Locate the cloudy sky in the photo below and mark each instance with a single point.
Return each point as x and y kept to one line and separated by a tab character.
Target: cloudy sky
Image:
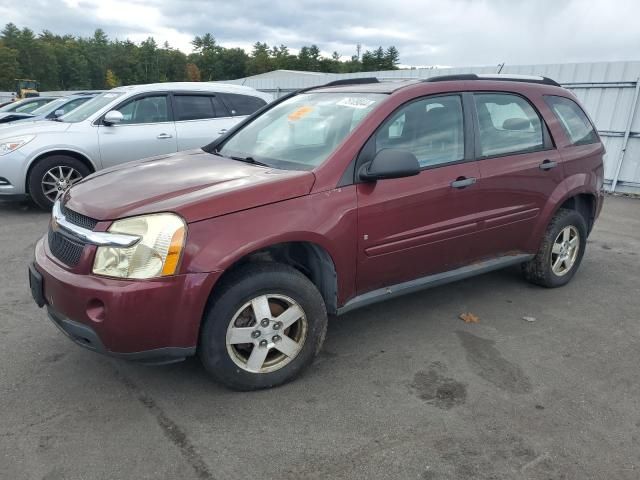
427	32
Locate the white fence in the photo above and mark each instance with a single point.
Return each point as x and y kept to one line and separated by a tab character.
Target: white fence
608	90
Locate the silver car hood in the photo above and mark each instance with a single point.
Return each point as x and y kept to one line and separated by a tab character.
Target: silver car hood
19	129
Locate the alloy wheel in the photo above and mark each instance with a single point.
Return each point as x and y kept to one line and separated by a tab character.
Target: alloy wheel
565	250
58	180
266	333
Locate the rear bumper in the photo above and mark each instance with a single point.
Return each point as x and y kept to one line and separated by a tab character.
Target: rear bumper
153	321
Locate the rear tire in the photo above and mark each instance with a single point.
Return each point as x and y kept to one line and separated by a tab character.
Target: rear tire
241	344
52	176
561	251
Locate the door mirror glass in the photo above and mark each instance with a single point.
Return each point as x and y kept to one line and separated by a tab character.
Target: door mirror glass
389	163
113	117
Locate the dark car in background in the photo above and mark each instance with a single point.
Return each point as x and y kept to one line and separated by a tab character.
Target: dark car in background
327	200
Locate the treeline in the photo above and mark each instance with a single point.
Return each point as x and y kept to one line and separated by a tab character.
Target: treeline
69	62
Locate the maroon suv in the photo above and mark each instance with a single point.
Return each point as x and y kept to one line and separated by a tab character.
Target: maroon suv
326	200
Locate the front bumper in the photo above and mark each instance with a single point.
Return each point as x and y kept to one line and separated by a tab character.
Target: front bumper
13	171
153	321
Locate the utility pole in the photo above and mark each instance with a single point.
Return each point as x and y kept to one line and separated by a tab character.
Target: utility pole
358	49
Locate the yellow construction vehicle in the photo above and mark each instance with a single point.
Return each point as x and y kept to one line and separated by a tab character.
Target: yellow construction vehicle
27	88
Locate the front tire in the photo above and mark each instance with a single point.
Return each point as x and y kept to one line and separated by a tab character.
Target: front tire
52	176
561	251
263	327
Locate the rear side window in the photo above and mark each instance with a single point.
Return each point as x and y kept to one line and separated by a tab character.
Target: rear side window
508	124
243	104
574	121
193	107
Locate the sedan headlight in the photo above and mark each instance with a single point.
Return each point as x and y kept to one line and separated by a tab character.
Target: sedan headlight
8	146
157	254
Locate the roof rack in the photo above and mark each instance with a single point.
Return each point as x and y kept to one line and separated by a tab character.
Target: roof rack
495	76
350	81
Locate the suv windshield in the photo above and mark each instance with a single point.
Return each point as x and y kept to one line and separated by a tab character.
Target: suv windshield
92	106
300	133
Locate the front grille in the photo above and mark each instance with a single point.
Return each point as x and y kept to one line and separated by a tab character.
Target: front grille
64	249
79	219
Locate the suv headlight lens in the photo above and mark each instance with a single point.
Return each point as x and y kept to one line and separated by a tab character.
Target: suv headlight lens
157	254
8	146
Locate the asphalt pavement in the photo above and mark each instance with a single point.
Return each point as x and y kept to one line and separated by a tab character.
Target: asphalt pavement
401	390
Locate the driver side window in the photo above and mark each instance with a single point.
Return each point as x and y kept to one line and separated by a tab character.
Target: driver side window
432	129
151	109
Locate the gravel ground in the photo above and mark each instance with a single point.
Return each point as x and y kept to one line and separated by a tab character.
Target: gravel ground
401	390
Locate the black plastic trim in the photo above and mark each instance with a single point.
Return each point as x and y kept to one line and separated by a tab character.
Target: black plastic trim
350	81
473	76
86	337
431	281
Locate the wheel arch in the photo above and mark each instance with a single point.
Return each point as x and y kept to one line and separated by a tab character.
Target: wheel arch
574	193
310	258
64	151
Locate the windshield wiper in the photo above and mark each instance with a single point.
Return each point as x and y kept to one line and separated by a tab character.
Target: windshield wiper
250	160
247	159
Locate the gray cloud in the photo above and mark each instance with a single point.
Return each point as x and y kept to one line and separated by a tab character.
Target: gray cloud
454	32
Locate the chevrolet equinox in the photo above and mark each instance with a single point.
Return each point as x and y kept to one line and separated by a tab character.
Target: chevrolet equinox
326	200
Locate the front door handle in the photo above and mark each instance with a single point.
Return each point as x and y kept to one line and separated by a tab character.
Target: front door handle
548	165
162	136
222	131
463	182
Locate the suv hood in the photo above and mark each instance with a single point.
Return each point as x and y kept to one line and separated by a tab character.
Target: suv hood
9	130
195	184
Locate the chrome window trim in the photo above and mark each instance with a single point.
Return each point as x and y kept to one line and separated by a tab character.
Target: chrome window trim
59	223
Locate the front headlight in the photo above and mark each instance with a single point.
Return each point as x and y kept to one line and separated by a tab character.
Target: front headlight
157	254
8	146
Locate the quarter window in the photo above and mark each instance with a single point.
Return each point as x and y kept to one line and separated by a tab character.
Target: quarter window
432	129
574	121
194	107
243	104
145	110
508	124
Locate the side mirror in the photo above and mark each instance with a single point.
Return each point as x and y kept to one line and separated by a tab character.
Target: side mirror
113	117
390	163
58	113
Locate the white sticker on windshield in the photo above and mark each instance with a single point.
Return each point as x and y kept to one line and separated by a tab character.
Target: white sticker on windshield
355	102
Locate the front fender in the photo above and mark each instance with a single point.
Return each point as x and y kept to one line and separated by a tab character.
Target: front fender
327	219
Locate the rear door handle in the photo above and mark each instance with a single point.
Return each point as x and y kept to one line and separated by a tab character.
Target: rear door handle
162	136
222	131
548	165
462	182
